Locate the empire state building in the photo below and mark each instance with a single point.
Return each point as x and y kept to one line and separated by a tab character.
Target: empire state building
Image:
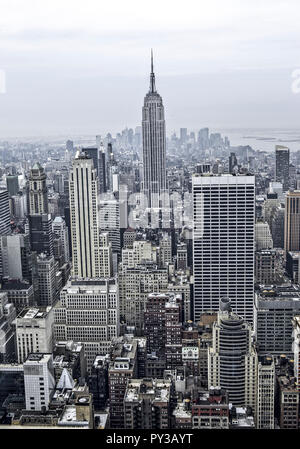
154	144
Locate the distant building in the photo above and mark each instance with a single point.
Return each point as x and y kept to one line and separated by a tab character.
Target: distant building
38	191
282	155
292	221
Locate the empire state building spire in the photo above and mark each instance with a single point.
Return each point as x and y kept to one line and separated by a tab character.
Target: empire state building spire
154	143
152	75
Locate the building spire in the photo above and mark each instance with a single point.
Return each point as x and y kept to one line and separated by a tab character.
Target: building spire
152	76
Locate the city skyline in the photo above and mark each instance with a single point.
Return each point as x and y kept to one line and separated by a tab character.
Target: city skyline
150	280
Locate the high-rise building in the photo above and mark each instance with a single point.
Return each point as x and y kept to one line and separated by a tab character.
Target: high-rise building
265	413
155	322
4	212
16	257
223	244
296	348
7	334
292	221
110	222
154	144
60	229
34	332
12	183
38	191
41	235
46	273
183	135
203	138
123	367
84	217
98	156
20	293
98	381
88	311
263	236
39	381
135	285
232	163
232	360
283	166
265	267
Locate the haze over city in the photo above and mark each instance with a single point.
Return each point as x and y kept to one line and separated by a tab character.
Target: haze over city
81	67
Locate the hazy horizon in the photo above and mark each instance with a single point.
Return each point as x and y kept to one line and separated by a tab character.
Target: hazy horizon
76	68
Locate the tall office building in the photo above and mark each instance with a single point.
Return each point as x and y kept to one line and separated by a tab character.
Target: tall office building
34	332
98	156
110	221
84	217
223	245
232	163
15	256
283	166
12	183
183	135
292	221
274	310
41	235
88	311
38	191
265	393
232	359
46	273
4	212
263	236
60	229
135	285
154	144
7	332
39	381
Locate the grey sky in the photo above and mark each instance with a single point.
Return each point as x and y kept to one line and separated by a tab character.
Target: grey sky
82	66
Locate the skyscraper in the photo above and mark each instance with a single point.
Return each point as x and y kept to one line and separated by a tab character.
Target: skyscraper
60	229
232	162
39	381
88	311
223	244
154	144
4	212
283	166
292	221
12	183
98	156
84	217
232	358
38	192
41	235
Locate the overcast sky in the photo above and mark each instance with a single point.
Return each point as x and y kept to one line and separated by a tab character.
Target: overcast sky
82	66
